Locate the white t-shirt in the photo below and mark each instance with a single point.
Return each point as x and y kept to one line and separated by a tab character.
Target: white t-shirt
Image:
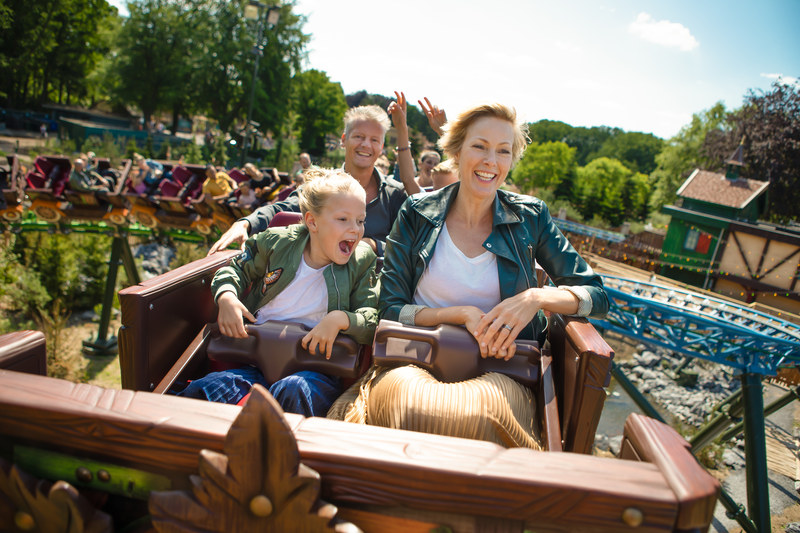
304	300
246	200
452	278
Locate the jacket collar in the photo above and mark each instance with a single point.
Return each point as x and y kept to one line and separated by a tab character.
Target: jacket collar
434	206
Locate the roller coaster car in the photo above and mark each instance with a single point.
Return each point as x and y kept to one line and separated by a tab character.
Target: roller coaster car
113	460
11	187
99	205
142	207
177	201
45	184
235	212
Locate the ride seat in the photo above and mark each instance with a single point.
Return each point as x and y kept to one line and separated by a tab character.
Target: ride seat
238	176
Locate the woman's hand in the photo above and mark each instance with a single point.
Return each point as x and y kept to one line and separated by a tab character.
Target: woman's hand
436	117
320	339
499	328
231	311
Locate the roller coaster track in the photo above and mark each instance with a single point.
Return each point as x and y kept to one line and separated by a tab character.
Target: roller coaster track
698	325
30	224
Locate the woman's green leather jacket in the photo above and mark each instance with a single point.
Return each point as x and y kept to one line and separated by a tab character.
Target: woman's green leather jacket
522	231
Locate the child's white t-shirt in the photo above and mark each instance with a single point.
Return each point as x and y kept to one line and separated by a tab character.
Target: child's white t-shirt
452	278
246	200
304	300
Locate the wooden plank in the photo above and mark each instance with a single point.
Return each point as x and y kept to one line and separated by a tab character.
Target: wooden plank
358	464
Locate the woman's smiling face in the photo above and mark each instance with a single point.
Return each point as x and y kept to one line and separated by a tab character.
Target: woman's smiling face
486	155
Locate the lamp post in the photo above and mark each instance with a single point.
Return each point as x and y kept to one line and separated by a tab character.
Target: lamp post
253	11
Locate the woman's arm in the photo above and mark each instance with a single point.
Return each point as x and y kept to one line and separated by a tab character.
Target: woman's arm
398	272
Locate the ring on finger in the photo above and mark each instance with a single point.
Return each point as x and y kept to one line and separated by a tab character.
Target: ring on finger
509	327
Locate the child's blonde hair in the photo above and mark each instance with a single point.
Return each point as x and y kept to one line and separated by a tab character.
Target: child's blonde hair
320	183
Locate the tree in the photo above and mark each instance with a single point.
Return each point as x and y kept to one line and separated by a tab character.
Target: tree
635	150
606	188
684	153
50	48
319	107
546	166
769	126
155	46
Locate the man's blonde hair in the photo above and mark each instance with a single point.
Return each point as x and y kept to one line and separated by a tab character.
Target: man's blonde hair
456	131
321	183
366	113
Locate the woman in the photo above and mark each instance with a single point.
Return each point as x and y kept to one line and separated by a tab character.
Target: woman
464	255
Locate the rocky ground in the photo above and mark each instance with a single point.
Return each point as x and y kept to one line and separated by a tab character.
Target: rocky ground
685	392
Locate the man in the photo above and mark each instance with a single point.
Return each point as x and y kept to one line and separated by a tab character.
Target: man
218	184
305	162
81	180
365	129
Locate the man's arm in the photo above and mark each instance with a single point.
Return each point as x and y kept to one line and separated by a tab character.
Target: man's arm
254	223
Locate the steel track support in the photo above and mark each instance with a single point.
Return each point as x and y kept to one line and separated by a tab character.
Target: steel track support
755	446
120	251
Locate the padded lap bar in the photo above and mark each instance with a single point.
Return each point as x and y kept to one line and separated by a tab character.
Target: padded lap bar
274	347
451	353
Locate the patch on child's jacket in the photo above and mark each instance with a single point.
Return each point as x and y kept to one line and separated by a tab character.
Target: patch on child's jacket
242	258
270	278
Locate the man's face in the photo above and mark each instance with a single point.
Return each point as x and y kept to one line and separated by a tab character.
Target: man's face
364	145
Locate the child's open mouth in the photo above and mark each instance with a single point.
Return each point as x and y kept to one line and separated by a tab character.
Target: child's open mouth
346	247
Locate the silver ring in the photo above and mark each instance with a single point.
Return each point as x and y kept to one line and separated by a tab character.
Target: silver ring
508	327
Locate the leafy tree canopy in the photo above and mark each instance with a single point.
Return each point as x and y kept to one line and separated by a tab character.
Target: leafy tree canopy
319	107
768	125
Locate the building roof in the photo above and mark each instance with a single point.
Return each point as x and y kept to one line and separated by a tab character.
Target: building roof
715	188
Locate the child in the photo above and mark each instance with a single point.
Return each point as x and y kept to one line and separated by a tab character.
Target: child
317	273
247	198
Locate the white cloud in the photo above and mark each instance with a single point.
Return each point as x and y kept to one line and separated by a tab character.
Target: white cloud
780	78
663	32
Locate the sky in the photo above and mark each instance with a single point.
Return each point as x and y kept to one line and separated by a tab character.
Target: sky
638	65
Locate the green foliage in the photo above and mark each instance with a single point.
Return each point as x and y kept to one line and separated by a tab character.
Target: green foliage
105	147
130	148
51	47
635	150
319	107
607	189
185	253
71	270
586	141
545	166
768	125
190	152
219	152
684	153
156	43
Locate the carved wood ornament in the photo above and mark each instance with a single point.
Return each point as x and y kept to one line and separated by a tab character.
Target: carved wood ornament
257	484
31	504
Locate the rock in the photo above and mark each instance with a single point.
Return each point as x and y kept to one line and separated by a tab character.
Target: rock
793	527
601	442
88	315
733	459
614	444
648	359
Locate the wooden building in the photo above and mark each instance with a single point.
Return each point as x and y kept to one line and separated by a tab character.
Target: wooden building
715	240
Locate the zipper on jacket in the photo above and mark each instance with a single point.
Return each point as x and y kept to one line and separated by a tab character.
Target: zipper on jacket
336	286
519	255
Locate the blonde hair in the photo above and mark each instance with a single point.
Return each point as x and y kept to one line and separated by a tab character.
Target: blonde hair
321	183
445	167
366	113
456	131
